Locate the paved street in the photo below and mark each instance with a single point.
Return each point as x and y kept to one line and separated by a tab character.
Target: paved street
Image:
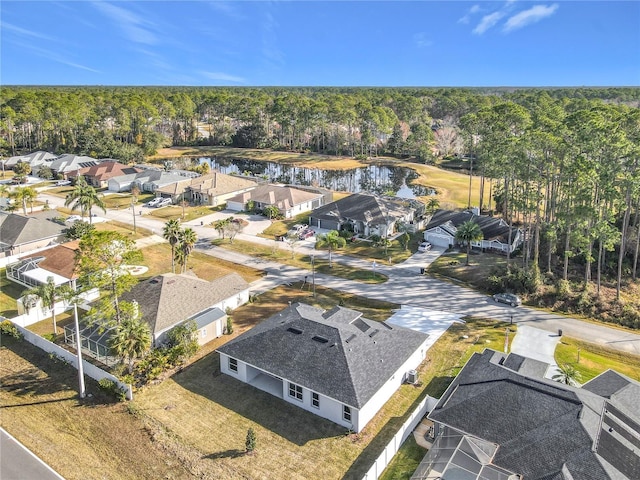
405	285
19	463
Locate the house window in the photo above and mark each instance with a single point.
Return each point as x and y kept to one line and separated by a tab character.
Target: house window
315	399
346	413
233	364
203	332
295	391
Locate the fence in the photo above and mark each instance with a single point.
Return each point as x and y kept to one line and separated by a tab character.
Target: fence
89	369
398	439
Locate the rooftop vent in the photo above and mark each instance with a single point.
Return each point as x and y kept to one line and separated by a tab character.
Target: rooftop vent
294	330
371	335
319	339
352	337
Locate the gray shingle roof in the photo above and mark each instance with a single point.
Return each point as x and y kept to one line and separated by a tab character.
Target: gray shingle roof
493	228
326	351
365	208
284	198
168	299
16	229
545	430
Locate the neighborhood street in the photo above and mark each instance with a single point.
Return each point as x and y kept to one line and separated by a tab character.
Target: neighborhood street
405	286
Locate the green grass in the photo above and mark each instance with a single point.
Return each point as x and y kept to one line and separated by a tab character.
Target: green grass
405	462
451	265
9	293
277	254
123	200
174	212
595	359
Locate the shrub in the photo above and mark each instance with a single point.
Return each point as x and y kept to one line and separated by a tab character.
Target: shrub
250	441
9	329
110	387
229	329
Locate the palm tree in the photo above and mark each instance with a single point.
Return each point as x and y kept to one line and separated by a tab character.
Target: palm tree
567	374
49	294
331	240
172	233
85	197
469	232
25	195
188	239
131	339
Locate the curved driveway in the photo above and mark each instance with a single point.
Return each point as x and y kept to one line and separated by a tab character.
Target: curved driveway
405	285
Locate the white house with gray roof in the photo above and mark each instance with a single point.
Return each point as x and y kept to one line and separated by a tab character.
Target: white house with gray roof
335	364
170	299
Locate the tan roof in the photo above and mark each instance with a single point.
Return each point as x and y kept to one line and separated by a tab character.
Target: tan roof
60	259
106	170
168	299
282	197
216	183
175	188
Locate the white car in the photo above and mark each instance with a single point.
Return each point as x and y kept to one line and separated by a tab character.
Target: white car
73	219
154	202
63	183
164	202
424	247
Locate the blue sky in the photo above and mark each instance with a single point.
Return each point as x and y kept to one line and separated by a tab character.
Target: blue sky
328	43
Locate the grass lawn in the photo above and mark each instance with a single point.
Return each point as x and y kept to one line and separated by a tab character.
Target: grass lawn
123	228
174	212
595	359
405	462
123	200
452	265
158	259
277	254
9	293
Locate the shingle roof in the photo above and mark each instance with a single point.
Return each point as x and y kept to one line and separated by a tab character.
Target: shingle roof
284	198
16	229
69	162
336	353
216	183
60	259
493	228
34	158
545	430
106	170
170	298
366	208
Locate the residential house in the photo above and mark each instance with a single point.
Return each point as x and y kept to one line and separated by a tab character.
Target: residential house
21	233
367	214
175	191
147	180
441	230
171	299
289	201
34	159
98	175
335	364
58	262
68	163
497	422
216	188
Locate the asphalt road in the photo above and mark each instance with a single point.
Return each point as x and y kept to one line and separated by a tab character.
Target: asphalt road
405	284
19	463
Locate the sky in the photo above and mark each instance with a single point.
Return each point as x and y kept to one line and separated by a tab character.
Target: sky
326	43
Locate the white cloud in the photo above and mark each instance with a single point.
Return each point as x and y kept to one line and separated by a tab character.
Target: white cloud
487	22
421	40
226	8
24	32
134	27
467	16
527	17
55	57
224	77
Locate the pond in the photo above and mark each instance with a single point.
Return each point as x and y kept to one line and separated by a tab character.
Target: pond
380	179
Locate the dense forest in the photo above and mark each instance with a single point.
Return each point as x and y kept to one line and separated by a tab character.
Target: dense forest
563	163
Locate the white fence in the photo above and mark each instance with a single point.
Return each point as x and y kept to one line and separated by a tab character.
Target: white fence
89	369
398	439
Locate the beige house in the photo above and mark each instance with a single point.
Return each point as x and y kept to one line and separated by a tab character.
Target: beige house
216	188
288	200
21	233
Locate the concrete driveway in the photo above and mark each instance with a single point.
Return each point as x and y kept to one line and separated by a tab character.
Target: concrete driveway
432	322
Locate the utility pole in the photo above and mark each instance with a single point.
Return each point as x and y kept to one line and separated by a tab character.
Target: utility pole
133	210
313	274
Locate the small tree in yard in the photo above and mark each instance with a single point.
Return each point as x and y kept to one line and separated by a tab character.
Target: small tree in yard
270	211
469	232
250	442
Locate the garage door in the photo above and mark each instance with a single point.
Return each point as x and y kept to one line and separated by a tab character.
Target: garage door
438	239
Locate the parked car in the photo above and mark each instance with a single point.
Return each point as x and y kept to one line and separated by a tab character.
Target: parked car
306	234
164	202
153	202
424	247
508	298
297	229
73	219
63	183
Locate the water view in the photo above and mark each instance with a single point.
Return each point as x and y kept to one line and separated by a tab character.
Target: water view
378	179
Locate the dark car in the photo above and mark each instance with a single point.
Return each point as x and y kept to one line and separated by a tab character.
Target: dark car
508	298
306	234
